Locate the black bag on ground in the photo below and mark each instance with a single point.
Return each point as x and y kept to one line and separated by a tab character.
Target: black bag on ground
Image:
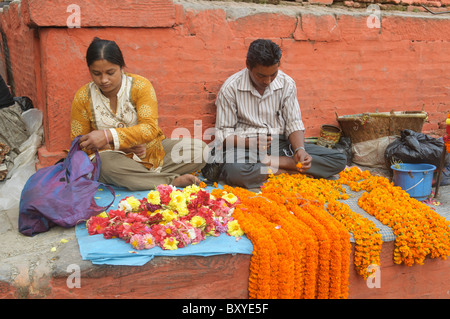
213	168
413	147
345	146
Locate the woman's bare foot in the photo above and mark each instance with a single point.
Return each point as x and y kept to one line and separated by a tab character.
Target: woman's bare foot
185	180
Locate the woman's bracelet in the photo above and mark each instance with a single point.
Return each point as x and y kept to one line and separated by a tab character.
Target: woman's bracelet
106	135
299	148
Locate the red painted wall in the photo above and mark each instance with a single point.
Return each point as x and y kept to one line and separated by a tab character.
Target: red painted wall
340	64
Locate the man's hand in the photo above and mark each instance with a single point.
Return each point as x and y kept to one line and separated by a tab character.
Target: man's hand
301	156
261	142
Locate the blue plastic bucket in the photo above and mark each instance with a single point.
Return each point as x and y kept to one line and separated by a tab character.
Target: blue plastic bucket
415	179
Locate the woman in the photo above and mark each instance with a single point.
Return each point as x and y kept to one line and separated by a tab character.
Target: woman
117	114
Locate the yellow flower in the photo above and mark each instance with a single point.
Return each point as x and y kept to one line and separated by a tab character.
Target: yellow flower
153	198
169	215
230	198
134	203
198	222
178	193
170	243
103	215
178	203
188	190
234	229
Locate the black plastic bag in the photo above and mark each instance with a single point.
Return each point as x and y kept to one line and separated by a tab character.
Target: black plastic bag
25	102
413	147
345	146
213	168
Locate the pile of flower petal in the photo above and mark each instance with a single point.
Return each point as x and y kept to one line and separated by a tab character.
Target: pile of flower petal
169	218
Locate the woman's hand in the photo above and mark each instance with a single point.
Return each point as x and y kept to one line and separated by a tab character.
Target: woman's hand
139	150
94	140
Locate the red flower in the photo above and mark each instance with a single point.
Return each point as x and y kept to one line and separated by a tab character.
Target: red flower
117	215
97	225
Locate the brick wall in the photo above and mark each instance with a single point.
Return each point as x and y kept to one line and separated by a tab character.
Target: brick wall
341	62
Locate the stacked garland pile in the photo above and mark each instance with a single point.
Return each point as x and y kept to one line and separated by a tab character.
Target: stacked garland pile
300	251
292	228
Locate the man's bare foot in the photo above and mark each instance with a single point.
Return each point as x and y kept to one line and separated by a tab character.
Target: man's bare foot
185	180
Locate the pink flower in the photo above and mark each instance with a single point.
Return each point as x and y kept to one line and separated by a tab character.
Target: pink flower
142	241
164	193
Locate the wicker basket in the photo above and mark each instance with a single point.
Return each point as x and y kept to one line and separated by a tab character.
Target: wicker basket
370	126
329	135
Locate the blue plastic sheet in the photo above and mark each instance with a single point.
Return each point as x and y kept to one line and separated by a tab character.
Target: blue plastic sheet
117	252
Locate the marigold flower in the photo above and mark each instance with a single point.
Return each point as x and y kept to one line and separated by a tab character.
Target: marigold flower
133	202
168	215
103	215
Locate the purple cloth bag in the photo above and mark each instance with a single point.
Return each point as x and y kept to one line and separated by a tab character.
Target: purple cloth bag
62	194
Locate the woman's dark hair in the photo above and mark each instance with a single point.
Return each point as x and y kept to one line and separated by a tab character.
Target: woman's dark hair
263	52
100	49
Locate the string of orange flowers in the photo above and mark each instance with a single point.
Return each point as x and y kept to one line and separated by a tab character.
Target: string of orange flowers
321	262
367	238
419	231
300	232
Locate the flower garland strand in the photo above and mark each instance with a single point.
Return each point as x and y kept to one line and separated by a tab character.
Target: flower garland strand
367	237
286	275
419	231
333	252
323	266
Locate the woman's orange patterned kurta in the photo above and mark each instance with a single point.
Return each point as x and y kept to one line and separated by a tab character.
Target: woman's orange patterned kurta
85	118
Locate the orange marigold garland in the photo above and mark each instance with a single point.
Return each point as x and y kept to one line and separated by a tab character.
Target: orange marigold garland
274	220
419	231
302	249
316	247
333	254
367	237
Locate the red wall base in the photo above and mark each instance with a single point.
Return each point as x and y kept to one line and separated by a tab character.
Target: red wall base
226	277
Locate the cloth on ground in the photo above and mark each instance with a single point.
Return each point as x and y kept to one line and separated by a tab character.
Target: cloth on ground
13	132
117	252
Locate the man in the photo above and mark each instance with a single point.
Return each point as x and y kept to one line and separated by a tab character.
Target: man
259	125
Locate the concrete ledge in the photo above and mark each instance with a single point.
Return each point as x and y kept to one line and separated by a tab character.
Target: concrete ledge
46	274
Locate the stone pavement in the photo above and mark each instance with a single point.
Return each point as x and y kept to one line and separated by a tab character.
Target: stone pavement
29	265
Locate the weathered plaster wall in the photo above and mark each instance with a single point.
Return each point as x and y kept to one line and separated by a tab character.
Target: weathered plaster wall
188	48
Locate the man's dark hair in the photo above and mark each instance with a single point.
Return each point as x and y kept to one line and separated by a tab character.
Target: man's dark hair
263	52
100	49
